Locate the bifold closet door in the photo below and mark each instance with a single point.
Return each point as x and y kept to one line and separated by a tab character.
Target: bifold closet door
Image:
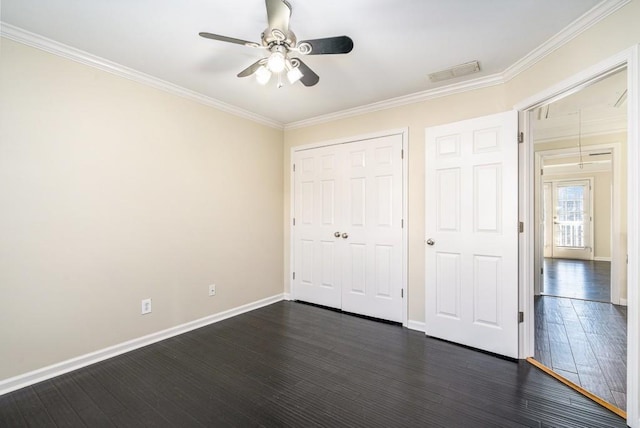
317	217
348	227
372	207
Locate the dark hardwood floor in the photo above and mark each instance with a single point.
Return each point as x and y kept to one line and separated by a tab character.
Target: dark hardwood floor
586	342
577	279
291	364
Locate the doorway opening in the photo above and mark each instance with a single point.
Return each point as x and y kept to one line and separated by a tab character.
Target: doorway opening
580	292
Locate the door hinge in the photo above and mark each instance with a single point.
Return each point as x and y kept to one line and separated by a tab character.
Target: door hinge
294	167
541	271
294	275
541	171
520	227
520	137
402	154
294	221
520	317
402	223
402	292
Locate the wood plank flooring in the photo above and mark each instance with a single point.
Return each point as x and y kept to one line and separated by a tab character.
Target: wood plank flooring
577	279
291	364
586	342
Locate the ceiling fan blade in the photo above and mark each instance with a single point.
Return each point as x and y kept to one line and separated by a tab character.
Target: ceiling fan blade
328	45
251	69
278	14
229	39
309	78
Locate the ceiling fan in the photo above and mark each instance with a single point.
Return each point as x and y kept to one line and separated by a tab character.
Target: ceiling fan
280	41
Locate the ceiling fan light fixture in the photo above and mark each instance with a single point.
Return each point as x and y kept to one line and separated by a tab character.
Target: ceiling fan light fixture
263	75
294	75
277	62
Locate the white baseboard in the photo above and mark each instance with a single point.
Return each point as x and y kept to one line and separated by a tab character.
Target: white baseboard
288	296
39	375
623	302
602	259
417	325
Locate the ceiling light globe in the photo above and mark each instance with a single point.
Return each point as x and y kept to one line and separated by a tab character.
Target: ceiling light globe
263	75
276	62
294	75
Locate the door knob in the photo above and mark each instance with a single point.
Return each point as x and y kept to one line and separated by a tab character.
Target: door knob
336	234
345	235
430	241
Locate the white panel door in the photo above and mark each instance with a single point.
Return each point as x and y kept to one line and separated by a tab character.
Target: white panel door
348	241
372	253
471	205
317	205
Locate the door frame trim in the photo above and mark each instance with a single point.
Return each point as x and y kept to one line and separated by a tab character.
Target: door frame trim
404	133
628	58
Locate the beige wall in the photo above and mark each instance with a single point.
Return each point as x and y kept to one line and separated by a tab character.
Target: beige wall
111	192
614	34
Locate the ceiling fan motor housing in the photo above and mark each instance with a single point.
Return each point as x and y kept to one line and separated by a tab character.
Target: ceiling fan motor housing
275	36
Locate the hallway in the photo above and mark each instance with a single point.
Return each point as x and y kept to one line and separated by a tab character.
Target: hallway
577	279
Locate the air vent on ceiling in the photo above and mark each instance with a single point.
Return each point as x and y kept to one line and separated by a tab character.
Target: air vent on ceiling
455	71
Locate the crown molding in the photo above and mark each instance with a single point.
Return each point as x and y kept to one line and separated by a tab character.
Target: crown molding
456	88
37	41
583	23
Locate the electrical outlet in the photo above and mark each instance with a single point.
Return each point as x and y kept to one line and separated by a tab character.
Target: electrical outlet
212	290
146	306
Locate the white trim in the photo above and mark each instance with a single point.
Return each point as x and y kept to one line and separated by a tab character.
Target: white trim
623	302
405	229
417	326
633	237
404	132
288	297
604	259
456	88
583	23
37	41
39	375
351	139
628	58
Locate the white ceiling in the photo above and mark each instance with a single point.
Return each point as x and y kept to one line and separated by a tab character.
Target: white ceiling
397	43
597	109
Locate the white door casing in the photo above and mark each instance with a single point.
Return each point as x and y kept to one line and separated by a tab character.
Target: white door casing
629	58
348	237
472	219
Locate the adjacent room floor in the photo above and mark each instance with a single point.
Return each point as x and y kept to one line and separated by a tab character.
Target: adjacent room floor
577	279
586	342
583	340
291	364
